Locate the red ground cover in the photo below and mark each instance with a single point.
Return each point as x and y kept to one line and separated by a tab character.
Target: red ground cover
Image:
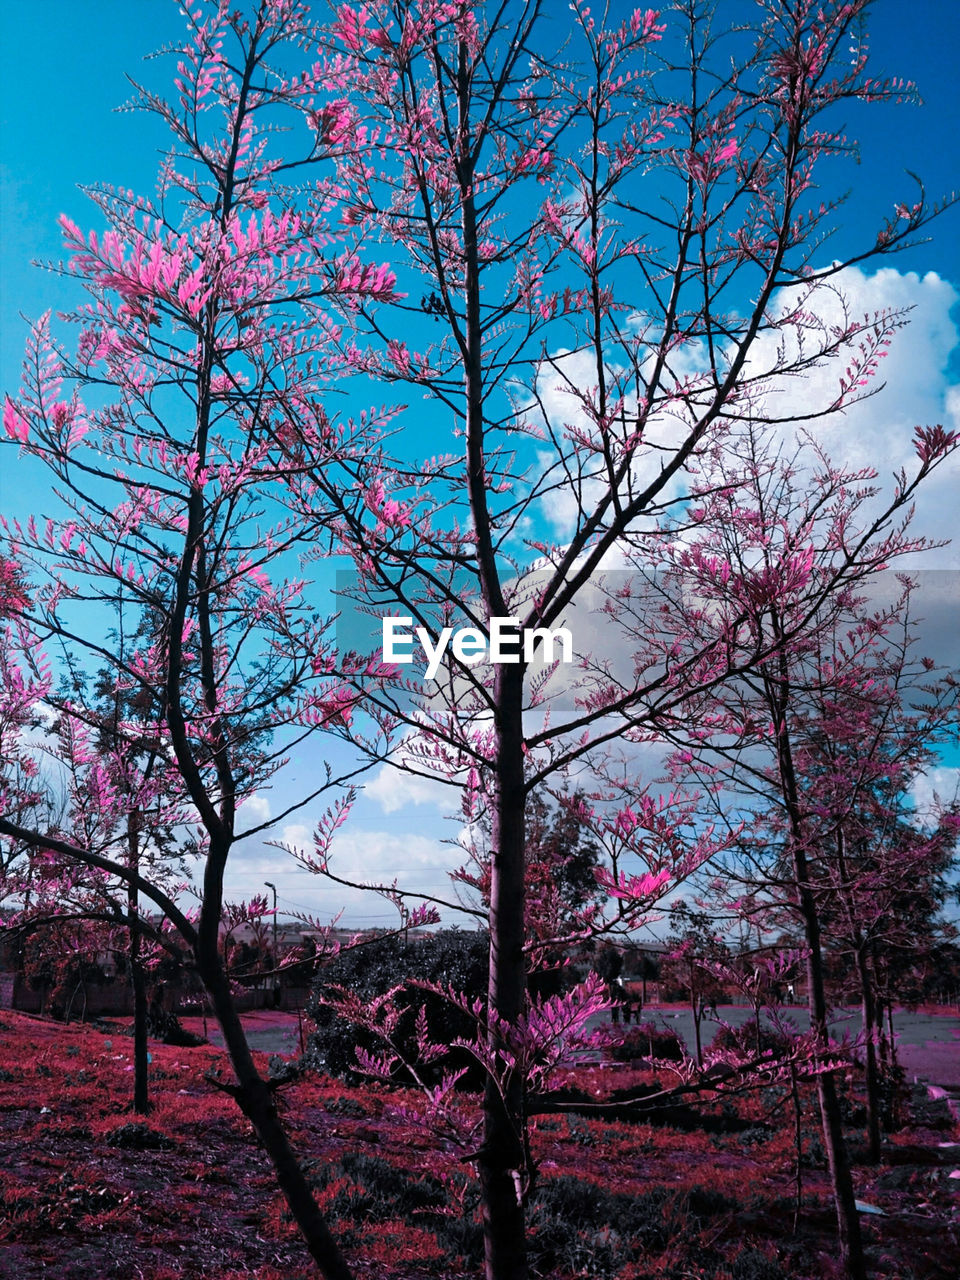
87	1193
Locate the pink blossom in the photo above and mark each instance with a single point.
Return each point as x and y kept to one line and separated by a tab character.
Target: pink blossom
727	152
14	423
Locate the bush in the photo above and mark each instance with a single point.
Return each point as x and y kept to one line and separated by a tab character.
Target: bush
166	1027
282	1070
377	1191
461	1239
647	1040
651	1220
350	1108
705	1202
744	1039
396	1194
573	1199
892	1087
449	957
570	1229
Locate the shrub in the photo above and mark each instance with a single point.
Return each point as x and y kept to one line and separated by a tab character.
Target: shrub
378	1191
570	1229
647	1040
705	1202
166	1027
743	1039
649	1221
461	1238
391	1187
350	1108
449	957
573	1199
892	1088
281	1070
367	1189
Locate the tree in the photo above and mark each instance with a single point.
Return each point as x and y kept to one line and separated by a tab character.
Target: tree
697	950
823	716
149	836
445	958
871	723
563	896
204	339
115	792
23	796
618	242
679	225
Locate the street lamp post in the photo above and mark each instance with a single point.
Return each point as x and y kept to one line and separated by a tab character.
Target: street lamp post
276	988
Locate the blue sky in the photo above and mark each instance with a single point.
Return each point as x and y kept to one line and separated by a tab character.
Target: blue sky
65	70
64	73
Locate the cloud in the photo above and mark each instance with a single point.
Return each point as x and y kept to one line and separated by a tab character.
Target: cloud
394	789
940	783
913	388
254	811
418	863
296	834
565	387
877	432
874	433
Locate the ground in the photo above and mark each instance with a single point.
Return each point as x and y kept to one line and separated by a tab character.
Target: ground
89	1192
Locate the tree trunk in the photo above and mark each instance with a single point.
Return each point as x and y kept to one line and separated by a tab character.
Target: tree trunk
696	1008
502	1159
797	1147
868	1005
141	1100
256	1100
848	1220
892	1038
870	1031
883	1045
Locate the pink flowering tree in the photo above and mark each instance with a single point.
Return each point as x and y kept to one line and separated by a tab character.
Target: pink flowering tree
204	346
613	268
865	723
813	745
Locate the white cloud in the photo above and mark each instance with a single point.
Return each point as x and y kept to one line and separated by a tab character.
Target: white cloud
916	389
254	811
940	783
394	789
875	433
385	856
564	388
297	835
418	864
